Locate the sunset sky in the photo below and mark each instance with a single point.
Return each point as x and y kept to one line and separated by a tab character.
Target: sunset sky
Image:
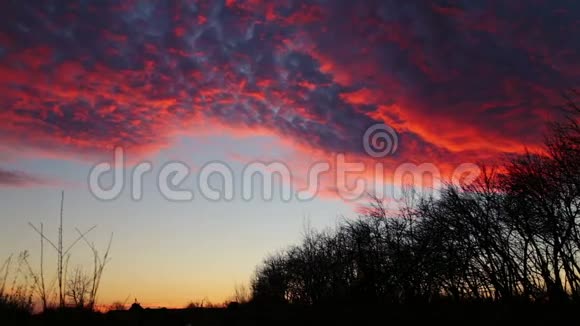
234	81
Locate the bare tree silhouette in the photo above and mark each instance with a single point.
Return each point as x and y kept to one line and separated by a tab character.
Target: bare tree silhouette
511	236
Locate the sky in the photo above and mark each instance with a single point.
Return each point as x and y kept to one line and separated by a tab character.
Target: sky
244	82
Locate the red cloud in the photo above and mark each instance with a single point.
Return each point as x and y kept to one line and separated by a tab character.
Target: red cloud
458	83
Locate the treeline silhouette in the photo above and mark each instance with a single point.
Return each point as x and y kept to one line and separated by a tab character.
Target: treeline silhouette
513	235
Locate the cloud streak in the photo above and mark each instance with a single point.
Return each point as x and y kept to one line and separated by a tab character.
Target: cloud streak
12	178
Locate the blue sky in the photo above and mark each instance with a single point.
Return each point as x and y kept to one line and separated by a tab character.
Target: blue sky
165	252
